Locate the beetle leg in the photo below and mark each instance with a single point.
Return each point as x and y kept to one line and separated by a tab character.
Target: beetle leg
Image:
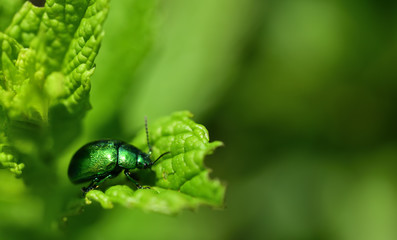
95	183
91	186
129	176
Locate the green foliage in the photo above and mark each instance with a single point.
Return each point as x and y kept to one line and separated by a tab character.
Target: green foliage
47	59
302	93
181	180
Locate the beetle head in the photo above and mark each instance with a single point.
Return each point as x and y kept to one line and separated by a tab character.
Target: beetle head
143	161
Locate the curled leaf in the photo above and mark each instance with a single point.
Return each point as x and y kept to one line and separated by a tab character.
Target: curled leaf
180	179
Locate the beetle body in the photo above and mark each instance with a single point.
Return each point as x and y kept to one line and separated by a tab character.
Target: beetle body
104	159
100	160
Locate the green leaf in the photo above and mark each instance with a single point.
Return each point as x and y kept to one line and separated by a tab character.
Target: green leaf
7	159
26	24
181	179
47	60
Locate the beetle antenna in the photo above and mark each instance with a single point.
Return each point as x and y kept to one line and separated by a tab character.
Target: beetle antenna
160	157
147	137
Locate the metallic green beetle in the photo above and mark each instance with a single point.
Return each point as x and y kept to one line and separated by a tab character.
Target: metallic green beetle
103	159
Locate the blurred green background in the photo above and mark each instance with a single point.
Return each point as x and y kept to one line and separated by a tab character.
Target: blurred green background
302	93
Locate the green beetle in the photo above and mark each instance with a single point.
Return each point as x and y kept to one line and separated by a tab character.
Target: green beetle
103	159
